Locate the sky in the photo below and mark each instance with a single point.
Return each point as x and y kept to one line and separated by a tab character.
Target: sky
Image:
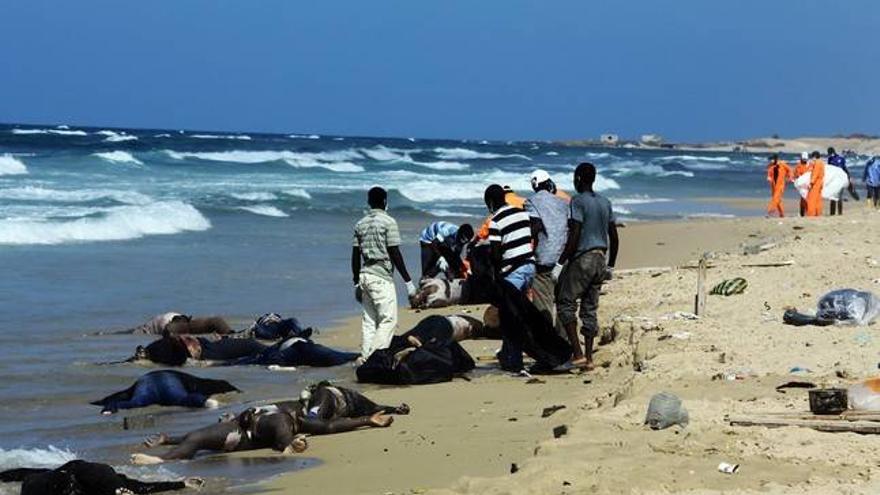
690	70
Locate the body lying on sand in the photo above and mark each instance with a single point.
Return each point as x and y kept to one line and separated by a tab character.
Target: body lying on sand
281	427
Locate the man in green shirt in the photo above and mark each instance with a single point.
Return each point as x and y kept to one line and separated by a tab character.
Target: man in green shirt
375	254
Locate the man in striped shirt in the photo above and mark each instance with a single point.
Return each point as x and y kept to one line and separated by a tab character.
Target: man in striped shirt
510	235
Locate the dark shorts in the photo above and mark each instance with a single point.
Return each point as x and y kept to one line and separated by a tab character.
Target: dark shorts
581	279
873	192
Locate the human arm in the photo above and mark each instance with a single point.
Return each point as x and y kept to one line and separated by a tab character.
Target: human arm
537	227
613	243
355	264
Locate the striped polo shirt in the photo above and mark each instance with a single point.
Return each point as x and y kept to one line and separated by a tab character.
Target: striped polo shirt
511	228
374	234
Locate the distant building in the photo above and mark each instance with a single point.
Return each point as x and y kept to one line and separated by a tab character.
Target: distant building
651	139
609	139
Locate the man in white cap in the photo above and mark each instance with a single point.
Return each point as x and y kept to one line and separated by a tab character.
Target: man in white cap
548	215
800	169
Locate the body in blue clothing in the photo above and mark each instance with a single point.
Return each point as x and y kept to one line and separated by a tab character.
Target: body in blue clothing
298	352
839	161
165	388
872	180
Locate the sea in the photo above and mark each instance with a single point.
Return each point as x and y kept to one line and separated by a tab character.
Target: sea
102	228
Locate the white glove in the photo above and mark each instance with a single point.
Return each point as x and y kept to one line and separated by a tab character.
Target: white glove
442	264
410	289
557	270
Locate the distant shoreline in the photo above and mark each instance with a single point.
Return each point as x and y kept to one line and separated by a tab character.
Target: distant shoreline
858	144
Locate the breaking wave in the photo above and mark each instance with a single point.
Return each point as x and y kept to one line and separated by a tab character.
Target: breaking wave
240	137
264	210
468	154
117	224
60	132
116	137
118	157
10	165
254	196
36	193
297	193
330	160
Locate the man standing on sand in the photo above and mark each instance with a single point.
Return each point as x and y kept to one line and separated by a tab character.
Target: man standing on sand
800	169
838	161
510	238
778	173
548	214
581	270
872	180
816	167
377	244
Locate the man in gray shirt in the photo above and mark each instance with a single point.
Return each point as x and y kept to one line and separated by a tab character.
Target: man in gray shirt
548	213
581	270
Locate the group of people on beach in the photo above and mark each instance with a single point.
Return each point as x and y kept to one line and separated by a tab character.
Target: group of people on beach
554	248
546	258
779	174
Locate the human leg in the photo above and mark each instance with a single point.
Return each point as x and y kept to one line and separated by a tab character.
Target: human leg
594	276
569	288
384	297
429	260
370	317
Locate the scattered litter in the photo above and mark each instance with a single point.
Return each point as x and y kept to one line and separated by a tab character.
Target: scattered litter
665	410
733	375
849	306
680	315
730	287
781	388
865	396
560	431
681	335
800	369
276	367
513	468
828	400
728	468
549	411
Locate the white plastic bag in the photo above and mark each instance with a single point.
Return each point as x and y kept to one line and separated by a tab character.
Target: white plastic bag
665	410
864	396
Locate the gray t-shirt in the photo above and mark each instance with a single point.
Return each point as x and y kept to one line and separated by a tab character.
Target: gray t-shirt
553	213
594	213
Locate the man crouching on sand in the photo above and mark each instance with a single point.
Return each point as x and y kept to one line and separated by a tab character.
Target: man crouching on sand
592	233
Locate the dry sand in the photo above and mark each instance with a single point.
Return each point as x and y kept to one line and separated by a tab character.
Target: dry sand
463	437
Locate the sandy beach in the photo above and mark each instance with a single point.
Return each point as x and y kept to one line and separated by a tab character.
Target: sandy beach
469	436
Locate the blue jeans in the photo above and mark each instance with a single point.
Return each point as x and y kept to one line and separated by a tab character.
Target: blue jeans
522	277
161	387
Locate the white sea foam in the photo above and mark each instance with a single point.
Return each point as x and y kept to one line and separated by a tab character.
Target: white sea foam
439	212
692	158
50	457
334	166
442	165
428	188
240	137
119	223
244	156
383	154
36	193
116	137
596	156
163	135
118	157
60	132
468	154
639	200
551	153
264	210
254	196
629	168
710	215
620	210
304	136
10	165
297	193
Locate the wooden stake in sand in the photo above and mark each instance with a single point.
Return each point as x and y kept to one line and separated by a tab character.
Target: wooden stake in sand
829	425
700	300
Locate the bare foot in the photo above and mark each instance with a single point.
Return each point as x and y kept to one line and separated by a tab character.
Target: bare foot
402	409
584	364
145	459
298	445
381	420
194	483
155	440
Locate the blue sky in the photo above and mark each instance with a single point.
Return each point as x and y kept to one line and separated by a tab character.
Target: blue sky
687	69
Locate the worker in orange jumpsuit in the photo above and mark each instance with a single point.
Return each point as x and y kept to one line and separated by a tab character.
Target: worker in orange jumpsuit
817	179
800	169
778	173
